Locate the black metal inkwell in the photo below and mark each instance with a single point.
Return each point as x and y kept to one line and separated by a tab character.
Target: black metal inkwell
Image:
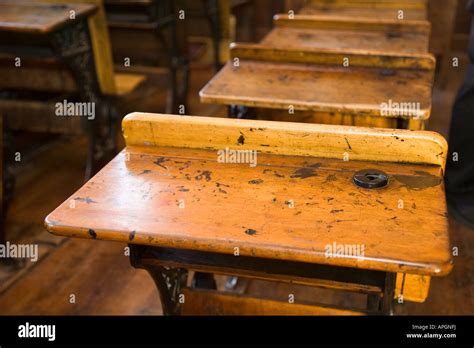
370	178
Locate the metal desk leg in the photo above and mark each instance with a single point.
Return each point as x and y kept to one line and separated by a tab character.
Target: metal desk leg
168	281
383	303
73	46
241	112
211	8
389	292
8	184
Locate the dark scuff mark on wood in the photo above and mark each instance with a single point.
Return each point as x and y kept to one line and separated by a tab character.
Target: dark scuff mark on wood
186	165
250	232
87	200
334	211
348	144
304	173
256	182
393	35
420	181
92	233
131	236
159	162
241	139
146	171
204	175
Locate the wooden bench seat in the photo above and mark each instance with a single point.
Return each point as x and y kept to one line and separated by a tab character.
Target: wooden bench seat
210	302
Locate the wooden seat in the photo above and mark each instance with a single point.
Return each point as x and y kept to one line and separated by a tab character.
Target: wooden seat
47	76
316	85
209	302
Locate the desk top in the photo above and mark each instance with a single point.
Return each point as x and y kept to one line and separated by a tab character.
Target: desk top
335	32
168	188
34	17
412	10
316	80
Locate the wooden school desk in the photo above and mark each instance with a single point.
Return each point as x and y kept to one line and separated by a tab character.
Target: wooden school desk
130	21
313	85
376	35
181	208
380	9
65	54
35	32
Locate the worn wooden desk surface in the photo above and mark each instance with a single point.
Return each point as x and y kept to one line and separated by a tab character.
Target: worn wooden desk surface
335	32
32	17
136	197
412	10
316	80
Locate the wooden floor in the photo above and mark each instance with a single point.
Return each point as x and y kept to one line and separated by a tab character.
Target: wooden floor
99	275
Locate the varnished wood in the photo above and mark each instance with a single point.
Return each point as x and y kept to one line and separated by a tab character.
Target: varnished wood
209	302
293	139
418	4
127	83
157	178
39	18
414	10
333	57
451	295
309	81
318	88
101	46
380	35
412	288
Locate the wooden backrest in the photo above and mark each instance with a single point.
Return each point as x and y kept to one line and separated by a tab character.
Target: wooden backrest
101	45
353	24
357	58
285	138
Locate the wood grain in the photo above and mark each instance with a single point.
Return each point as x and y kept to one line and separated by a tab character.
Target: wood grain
136	198
367	9
285	138
309	87
338	33
39	18
209	302
333	57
